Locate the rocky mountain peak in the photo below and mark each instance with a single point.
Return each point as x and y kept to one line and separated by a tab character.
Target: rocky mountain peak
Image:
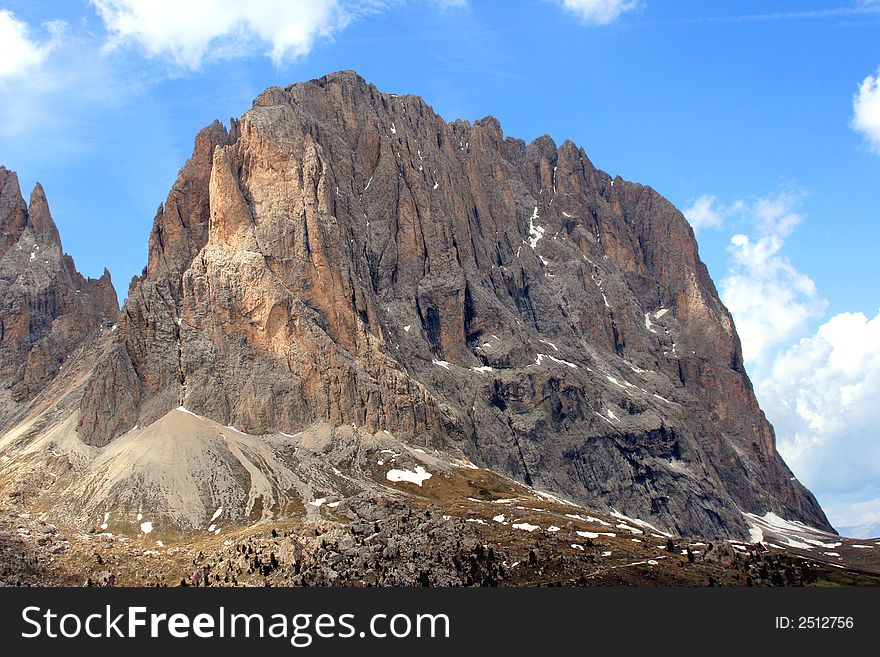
343	255
13	211
47	309
40	218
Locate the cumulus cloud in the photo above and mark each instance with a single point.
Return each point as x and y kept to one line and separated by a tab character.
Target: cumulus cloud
190	32
599	12
20	52
816	385
771	301
820	395
866	110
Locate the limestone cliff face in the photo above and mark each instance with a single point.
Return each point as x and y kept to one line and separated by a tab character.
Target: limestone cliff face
47	309
345	255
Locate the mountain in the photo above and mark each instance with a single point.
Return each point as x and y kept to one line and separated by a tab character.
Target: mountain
342	257
345	256
48	311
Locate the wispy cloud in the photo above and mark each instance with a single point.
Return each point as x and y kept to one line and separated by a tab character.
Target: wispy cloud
20	51
861	8
57	90
599	12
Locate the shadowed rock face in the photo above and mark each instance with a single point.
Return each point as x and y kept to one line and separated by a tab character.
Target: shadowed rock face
344	255
47	309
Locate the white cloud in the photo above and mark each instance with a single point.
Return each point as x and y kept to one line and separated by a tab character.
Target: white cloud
599	12
817	387
20	53
866	110
190	32
771	301
820	394
706	212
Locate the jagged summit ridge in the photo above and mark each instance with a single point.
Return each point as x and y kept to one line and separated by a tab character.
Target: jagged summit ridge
345	256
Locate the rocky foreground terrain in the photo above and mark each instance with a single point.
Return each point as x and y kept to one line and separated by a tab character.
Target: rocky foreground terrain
373	347
459	527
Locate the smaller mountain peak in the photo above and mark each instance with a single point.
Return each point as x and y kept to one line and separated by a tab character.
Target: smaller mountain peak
9	187
40	218
106	301
13	212
38	194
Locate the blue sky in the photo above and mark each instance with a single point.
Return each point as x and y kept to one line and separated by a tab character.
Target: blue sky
759	118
